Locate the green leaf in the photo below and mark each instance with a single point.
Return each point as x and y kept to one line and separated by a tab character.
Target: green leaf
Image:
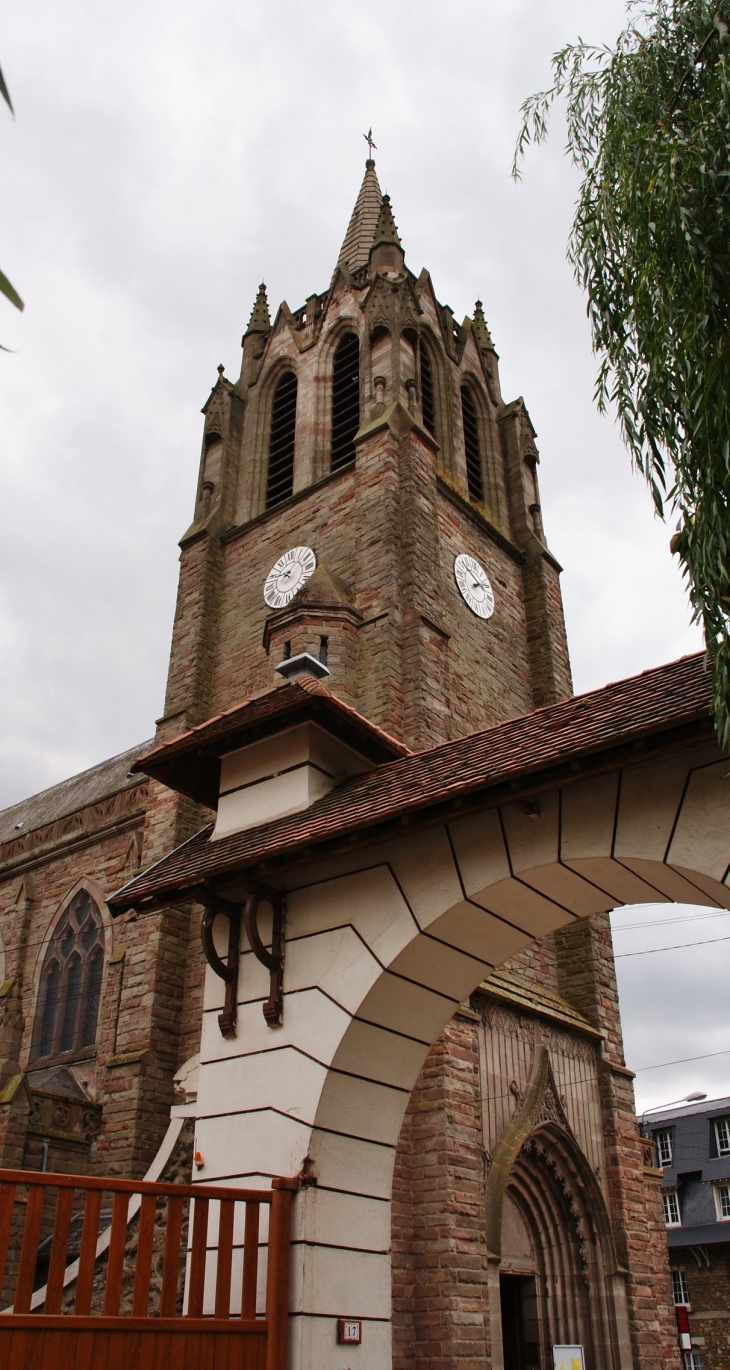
649	131
6	97
7	289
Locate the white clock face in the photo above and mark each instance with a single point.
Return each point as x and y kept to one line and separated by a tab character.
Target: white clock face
474	587
288	575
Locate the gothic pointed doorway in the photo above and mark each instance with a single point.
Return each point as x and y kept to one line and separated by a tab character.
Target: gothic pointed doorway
556	1273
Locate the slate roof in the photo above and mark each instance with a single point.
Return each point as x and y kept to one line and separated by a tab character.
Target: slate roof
360	233
58	1080
691	1127
618	714
707	1234
708	1108
87	788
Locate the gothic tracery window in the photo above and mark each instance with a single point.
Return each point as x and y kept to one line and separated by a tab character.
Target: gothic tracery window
345	401
280	480
70	983
474	476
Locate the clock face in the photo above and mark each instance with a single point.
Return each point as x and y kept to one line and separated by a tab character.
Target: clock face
288	575
474	587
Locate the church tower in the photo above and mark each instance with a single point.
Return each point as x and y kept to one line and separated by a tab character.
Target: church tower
366	496
367	439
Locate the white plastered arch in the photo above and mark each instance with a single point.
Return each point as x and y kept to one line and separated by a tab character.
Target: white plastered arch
382	947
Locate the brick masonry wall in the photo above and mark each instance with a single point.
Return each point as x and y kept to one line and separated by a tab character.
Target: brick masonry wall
440	1303
139	1083
427	667
708	1280
549	663
153	972
536	964
489	665
587	979
440	1319
30	901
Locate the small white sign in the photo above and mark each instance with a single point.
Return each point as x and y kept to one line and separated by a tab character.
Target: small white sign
349	1331
568	1358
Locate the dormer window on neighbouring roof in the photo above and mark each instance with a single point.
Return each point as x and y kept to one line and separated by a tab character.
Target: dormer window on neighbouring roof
722	1136
664	1146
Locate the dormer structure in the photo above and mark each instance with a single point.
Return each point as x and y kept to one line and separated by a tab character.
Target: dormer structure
367	432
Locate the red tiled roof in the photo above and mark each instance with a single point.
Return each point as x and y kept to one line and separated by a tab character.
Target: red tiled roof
190	762
655	701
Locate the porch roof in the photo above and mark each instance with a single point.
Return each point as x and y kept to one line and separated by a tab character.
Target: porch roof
190	761
600	730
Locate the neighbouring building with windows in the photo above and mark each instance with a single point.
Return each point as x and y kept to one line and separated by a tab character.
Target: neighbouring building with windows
693	1149
368	497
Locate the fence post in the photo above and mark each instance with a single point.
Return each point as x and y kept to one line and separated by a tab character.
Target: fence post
277	1274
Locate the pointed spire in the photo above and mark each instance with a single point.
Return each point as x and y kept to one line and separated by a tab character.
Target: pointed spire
361	228
260	321
385	229
481	331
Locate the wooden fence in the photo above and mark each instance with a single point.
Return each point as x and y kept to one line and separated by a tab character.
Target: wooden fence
190	1287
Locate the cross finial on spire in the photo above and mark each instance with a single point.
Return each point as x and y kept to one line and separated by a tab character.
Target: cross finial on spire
371	145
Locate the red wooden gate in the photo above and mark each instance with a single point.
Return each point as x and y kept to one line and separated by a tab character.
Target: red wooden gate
202	1287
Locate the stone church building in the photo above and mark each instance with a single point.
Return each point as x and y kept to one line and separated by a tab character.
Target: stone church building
368	521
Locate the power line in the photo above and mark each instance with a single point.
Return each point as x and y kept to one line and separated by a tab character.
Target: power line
684	1061
652	951
664	922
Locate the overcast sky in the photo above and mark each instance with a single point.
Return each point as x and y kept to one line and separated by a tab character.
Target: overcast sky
165	157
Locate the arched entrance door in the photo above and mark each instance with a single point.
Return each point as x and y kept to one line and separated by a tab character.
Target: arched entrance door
556	1282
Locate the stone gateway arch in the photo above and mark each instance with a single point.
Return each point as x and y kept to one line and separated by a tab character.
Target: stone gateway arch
404	888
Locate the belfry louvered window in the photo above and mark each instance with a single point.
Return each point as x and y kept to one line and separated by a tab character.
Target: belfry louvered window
345	400
428	405
474	477
280	480
70	984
